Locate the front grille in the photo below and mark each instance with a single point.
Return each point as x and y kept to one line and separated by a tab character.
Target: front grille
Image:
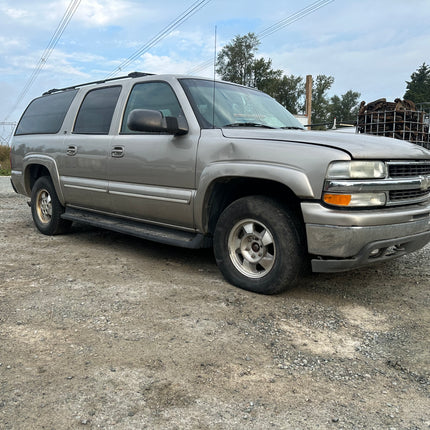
411	170
408	170
408	194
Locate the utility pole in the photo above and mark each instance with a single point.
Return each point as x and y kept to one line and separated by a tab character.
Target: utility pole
309	99
6	135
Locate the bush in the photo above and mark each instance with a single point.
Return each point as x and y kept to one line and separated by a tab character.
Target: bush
4	160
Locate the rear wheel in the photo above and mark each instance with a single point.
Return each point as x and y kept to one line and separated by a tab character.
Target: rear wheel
258	245
46	209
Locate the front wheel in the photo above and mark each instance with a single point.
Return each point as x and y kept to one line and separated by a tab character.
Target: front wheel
46	209
258	245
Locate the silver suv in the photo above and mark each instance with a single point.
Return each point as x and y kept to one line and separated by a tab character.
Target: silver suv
196	163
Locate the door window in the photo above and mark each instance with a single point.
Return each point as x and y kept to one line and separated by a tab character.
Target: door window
152	95
95	114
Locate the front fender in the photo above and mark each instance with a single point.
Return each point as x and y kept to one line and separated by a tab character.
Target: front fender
293	178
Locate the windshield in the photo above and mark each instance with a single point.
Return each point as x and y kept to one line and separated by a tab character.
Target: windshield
235	106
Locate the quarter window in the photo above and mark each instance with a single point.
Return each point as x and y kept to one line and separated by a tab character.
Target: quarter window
154	96
95	114
45	115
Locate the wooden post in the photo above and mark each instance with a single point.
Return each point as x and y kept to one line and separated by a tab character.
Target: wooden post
309	99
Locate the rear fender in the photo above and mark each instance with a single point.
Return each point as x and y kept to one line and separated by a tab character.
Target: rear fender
31	161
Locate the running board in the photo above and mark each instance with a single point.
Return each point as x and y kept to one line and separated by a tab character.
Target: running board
168	236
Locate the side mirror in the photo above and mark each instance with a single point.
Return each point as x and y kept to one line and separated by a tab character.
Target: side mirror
154	121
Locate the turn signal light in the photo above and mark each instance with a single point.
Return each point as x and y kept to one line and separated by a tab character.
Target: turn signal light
356	199
337	199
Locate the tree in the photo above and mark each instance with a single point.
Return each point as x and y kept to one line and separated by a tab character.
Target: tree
290	91
418	88
344	108
236	60
320	101
237	63
264	77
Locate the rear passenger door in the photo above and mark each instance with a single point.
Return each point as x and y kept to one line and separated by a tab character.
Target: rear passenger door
152	175
84	164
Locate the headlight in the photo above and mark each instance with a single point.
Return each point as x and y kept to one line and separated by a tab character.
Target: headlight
357	170
348	184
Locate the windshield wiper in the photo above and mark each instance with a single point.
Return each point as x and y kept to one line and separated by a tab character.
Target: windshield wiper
292	128
247	124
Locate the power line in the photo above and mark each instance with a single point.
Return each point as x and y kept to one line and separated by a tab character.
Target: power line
272	29
6	135
194	8
200	67
70	11
293	18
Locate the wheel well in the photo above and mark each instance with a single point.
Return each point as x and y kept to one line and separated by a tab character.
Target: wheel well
35	171
226	190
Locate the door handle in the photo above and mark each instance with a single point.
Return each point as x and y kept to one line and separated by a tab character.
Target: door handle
72	150
117	152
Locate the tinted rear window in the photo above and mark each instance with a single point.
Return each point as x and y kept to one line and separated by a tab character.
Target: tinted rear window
45	115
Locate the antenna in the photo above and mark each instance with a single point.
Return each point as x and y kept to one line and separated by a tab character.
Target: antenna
215	42
213	101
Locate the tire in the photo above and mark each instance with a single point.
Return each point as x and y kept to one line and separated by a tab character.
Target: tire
46	209
258	245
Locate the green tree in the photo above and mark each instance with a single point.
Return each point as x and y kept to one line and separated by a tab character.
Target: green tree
320	101
289	91
235	62
264	77
344	108
418	88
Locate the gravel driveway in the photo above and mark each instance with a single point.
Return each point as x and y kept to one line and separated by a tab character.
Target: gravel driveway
100	330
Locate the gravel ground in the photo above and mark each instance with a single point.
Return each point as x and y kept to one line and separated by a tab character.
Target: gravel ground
100	330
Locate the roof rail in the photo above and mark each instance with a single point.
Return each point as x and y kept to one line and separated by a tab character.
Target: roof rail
130	75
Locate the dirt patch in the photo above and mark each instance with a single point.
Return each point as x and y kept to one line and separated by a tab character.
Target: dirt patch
100	330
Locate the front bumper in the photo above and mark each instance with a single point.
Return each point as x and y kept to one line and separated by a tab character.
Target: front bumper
343	240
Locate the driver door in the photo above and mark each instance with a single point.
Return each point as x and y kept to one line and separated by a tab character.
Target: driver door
152	175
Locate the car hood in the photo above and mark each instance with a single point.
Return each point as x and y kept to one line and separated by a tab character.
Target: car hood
358	146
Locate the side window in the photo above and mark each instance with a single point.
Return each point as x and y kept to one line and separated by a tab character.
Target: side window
45	115
95	114
152	95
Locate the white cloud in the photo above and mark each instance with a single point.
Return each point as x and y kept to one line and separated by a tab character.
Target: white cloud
14	13
9	44
161	64
97	13
368	46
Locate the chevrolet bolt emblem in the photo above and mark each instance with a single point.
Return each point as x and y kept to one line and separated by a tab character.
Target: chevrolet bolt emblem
425	182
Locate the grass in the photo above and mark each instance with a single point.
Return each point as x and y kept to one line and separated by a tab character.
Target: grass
4	160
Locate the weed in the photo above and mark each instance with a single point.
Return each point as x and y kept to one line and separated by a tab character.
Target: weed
4	160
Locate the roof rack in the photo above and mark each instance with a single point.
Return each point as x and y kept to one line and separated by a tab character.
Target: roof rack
130	75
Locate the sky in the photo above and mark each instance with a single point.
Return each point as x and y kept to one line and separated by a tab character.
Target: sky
368	46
